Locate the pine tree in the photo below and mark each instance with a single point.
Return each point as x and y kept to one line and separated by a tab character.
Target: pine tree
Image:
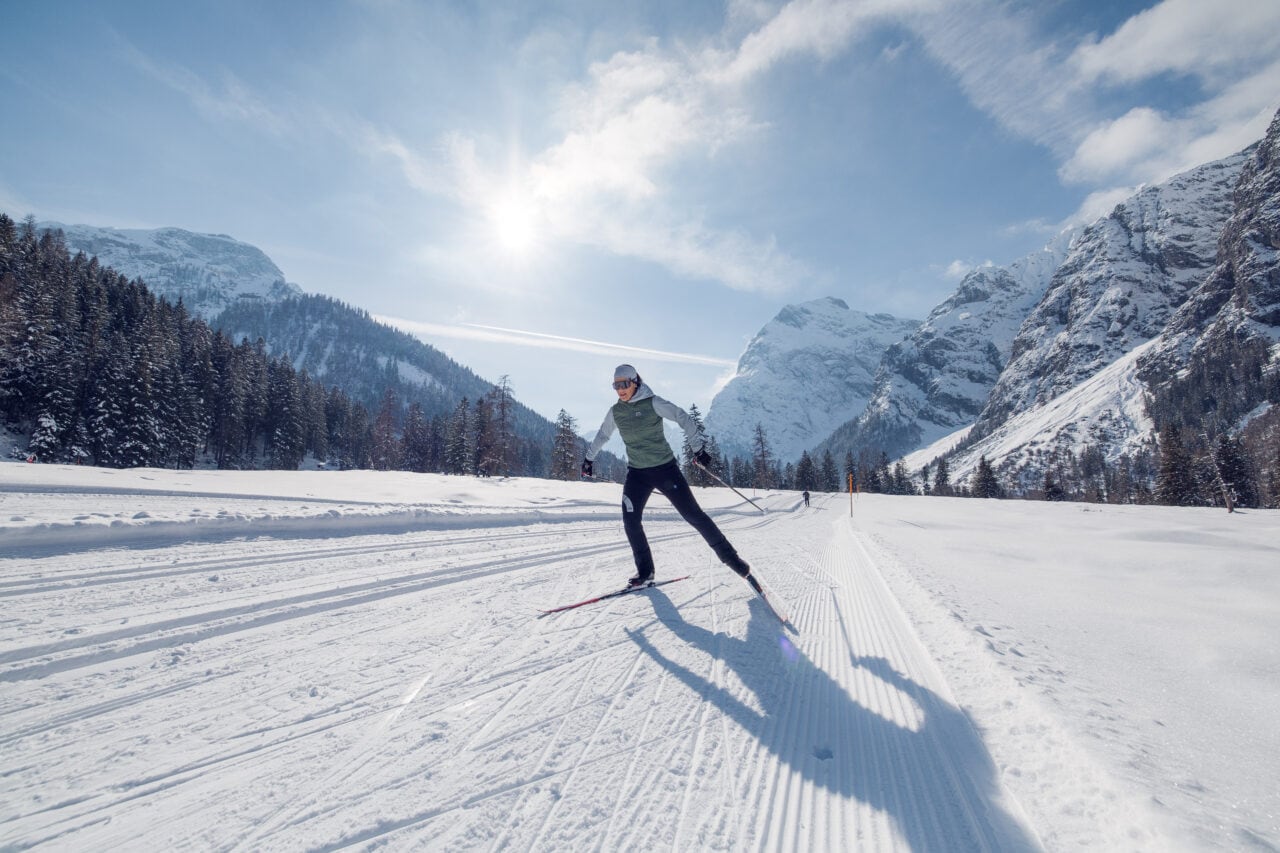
1236	472
1053	490
761	460
1175	481
806	473
502	401
282	423
458	439
386	443
942	478
829	477
985	484
415	445
565	452
484	443
694	474
718	464
902	484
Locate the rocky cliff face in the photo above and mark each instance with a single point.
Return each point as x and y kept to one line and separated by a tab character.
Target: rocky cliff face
1240	299
1119	286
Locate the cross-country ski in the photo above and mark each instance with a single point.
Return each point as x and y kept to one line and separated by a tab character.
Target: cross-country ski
608	595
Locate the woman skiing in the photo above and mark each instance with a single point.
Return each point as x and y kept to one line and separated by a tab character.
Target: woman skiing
651	465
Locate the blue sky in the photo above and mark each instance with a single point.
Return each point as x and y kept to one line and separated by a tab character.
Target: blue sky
545	190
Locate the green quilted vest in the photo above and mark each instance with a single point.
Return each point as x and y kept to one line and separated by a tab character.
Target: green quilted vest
641	430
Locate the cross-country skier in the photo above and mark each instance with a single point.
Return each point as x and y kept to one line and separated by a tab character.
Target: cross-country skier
651	465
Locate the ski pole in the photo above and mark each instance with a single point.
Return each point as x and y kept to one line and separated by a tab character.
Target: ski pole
727	486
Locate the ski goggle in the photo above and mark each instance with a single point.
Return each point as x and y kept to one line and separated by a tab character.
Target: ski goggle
619	384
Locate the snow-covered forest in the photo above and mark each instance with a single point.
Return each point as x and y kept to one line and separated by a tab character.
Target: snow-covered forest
96	369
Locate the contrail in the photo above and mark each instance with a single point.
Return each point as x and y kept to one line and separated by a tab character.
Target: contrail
521	337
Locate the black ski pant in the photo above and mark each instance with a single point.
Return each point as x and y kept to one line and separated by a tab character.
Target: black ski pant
667	479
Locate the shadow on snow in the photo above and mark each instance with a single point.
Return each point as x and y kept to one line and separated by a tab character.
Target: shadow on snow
936	782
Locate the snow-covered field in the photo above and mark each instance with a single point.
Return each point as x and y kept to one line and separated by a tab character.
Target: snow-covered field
325	661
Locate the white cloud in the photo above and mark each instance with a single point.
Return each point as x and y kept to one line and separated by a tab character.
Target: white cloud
1007	70
1121	146
606	182
1184	36
819	28
1232	47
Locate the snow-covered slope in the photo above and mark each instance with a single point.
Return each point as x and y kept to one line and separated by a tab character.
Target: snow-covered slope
938	379
352	660
808	370
1107	411
207	271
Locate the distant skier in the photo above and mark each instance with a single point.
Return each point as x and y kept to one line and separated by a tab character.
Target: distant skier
806	497
651	465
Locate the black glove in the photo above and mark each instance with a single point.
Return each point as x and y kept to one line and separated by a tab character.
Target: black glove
702	457
587	468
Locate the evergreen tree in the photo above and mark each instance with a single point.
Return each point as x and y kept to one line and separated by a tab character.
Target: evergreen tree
284	437
829	476
415	446
1053	490
761	460
565	452
385	449
985	484
1175	481
902	484
502	402
457	440
719	466
806	473
360	438
942	478
695	475
1235	471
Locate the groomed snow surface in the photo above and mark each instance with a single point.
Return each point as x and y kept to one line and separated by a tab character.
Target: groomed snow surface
331	661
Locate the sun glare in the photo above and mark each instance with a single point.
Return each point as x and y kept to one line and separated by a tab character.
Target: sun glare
513	223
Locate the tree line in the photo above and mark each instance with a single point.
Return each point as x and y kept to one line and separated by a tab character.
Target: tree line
96	369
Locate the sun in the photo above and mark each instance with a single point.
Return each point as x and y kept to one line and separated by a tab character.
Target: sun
514	222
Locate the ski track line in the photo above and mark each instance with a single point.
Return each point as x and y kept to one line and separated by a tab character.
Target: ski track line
292	607
714	680
542	772
630	790
590	741
136	790
347	764
55	582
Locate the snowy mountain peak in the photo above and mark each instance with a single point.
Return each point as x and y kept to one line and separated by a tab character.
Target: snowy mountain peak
208	272
937	380
805	372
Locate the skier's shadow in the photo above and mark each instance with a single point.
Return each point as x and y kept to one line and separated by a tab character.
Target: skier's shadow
812	724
